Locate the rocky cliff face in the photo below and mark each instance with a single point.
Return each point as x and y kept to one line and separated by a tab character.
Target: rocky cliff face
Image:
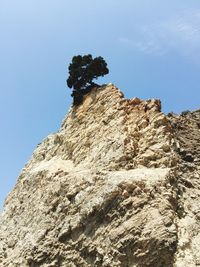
118	185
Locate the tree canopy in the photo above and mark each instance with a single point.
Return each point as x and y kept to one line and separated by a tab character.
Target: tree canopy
82	71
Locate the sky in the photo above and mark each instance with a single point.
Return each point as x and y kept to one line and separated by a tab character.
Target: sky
152	49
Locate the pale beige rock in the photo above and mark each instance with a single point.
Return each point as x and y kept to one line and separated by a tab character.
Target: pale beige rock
110	188
186	129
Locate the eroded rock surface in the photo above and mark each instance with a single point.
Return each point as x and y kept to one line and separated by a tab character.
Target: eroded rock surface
112	188
186	130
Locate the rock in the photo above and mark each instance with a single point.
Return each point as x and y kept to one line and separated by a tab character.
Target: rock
110	188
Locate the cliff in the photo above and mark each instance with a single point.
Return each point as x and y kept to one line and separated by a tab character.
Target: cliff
117	185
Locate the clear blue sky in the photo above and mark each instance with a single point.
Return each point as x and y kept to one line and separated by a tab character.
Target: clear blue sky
152	49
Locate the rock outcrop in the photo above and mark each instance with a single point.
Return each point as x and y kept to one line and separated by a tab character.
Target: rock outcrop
118	185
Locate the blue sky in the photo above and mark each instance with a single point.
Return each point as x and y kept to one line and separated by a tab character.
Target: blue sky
152	49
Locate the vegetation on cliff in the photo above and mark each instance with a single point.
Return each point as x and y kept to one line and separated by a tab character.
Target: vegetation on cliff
82	71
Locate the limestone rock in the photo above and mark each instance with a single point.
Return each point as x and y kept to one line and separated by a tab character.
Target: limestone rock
110	188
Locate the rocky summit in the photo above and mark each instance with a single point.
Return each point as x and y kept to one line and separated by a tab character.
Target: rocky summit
117	185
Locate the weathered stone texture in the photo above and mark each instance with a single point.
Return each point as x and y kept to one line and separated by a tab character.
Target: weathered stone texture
112	188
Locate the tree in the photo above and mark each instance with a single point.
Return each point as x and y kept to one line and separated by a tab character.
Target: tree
82	71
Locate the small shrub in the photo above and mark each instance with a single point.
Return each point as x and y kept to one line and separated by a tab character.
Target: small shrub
82	71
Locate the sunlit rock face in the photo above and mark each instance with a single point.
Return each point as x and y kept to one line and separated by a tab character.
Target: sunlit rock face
117	185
